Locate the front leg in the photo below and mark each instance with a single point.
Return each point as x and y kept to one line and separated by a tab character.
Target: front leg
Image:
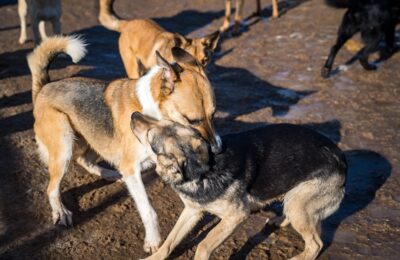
133	179
187	220
219	234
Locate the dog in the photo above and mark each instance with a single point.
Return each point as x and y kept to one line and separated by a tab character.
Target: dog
375	19
40	11
140	38
86	119
239	13
281	162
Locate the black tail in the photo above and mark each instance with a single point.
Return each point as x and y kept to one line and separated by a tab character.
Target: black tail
338	3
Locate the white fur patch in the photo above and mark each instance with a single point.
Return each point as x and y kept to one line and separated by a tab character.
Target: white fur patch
143	92
76	48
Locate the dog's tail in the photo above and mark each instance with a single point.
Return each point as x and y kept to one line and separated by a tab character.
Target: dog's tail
107	16
338	3
40	59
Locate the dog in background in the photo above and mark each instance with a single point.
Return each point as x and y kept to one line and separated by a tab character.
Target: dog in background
40	12
89	119
140	38
280	162
239	13
375	19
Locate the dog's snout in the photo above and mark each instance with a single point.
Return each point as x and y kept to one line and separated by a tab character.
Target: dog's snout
216	146
136	116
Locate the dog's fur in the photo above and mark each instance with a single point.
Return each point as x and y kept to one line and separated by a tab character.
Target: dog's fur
239	13
140	38
375	19
283	162
92	118
40	11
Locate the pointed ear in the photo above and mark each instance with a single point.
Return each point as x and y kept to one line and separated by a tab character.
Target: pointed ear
169	74
211	40
181	41
140	124
182	56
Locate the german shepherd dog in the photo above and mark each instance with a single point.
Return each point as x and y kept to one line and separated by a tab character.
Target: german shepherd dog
40	11
375	19
239	13
140	38
280	162
92	119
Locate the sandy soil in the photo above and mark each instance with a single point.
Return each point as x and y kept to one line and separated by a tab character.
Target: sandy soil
268	74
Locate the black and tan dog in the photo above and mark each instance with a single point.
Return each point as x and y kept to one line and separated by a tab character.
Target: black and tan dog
283	162
140	38
92	118
375	19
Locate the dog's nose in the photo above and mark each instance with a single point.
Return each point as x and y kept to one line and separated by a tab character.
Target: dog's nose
136	116
216	147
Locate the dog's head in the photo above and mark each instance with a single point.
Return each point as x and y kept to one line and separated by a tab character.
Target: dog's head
186	96
180	152
201	48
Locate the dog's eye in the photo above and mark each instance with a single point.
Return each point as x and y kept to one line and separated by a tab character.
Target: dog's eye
195	121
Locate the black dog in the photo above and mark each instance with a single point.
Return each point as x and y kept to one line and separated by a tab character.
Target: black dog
375	19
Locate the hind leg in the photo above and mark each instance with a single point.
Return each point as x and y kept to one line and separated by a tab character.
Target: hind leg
22	10
56	24
55	139
227	19
306	226
346	30
42	30
372	45
238	15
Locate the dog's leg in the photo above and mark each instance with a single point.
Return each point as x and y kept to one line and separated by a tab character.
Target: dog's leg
238	15
187	220
56	24
22	10
258	10
281	221
42	30
220	233
88	161
346	31
275	12
129	59
366	51
56	143
227	19
35	30
132	177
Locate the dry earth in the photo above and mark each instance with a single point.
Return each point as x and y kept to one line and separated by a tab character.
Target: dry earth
268	74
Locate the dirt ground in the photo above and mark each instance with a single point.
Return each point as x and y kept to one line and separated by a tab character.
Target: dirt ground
270	73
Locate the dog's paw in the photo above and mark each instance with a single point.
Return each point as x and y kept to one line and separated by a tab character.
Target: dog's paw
369	66
22	39
151	247
62	217
325	72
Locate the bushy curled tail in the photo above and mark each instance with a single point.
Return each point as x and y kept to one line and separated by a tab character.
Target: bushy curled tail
339	3
41	57
107	16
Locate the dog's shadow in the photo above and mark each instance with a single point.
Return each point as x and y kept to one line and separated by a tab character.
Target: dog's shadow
367	172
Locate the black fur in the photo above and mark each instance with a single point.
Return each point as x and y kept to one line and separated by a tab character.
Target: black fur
265	162
375	19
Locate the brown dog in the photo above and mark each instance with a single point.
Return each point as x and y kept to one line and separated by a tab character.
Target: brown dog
140	38
239	13
92	117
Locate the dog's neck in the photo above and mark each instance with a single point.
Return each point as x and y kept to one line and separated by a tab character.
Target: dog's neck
150	107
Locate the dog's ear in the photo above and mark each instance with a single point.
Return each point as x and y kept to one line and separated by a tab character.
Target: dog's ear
211	41
182	56
181	41
170	74
140	124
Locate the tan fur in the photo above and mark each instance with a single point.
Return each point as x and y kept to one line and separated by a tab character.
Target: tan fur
40	11
61	129
239	13
140	38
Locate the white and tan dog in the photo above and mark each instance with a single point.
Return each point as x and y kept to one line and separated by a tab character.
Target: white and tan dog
239	13
91	118
140	38
40	11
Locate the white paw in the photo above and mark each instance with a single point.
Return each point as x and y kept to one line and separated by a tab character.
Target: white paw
151	246
22	39
62	217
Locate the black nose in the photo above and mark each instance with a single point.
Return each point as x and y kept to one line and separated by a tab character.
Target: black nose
136	116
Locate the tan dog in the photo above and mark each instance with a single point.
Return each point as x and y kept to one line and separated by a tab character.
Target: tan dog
40	11
239	13
140	38
91	117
